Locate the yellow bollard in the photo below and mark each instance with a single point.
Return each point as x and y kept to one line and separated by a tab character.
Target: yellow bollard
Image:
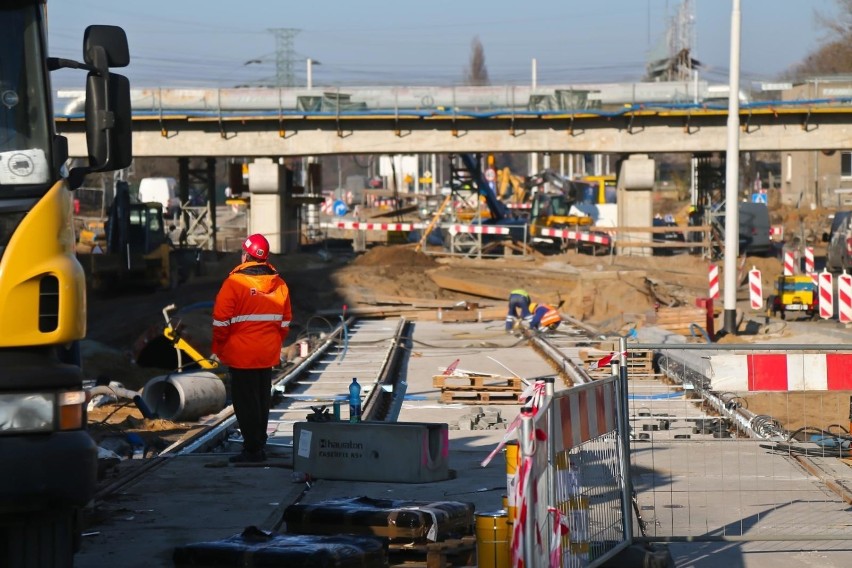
512	457
492	540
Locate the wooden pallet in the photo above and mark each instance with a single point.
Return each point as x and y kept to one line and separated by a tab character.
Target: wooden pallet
477	381
444	554
478	397
639	363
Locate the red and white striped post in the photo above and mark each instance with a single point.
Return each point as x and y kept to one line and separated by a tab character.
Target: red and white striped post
713	277
826	295
755	289
844	298
809	260
789	263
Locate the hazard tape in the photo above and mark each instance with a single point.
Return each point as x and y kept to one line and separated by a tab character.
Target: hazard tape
478	229
358	226
576	236
519	205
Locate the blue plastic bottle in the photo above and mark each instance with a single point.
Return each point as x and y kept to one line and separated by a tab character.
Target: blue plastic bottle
354	401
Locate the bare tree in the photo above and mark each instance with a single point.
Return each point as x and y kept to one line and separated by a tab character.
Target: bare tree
476	74
834	56
838	26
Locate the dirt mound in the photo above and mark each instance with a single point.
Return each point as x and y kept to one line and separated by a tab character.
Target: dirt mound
400	255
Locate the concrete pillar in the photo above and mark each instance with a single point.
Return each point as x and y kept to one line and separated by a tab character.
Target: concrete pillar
635	202
211	197
183	179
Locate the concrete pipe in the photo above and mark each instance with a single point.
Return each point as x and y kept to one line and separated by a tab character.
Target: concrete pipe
185	396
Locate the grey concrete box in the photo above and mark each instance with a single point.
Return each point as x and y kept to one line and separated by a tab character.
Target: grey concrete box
406	452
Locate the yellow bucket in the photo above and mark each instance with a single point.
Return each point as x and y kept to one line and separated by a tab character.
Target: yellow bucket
492	540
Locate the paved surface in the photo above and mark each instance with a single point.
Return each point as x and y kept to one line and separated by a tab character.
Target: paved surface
191	499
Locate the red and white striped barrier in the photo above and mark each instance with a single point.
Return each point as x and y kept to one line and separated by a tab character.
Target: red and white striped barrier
755	289
358	226
789	263
809	260
776	232
479	229
713	281
569	235
327	206
781	372
844	298
519	205
585	414
826	295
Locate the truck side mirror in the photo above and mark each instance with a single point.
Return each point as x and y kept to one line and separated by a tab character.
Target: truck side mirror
105	47
108	122
826	237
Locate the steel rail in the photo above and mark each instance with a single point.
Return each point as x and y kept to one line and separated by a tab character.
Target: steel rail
216	430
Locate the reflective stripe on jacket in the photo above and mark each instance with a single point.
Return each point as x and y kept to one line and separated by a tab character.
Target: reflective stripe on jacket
251	317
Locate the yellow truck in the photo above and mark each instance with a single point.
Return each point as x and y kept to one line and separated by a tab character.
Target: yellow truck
794	293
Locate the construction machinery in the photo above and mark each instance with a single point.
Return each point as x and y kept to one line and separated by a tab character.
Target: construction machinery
795	293
598	190
49	466
511	188
466	175
552	203
137	251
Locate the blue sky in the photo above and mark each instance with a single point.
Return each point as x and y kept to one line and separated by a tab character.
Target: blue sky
182	43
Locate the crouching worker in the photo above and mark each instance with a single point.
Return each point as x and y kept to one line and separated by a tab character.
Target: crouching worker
544	316
519	308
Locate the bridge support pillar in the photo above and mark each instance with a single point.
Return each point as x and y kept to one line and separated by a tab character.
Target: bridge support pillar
273	211
635	202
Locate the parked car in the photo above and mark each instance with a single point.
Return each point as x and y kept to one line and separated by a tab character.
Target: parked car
839	254
754	228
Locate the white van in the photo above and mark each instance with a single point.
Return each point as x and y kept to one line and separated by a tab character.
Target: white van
161	190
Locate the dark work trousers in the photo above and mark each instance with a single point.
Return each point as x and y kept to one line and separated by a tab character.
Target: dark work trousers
519	307
251	394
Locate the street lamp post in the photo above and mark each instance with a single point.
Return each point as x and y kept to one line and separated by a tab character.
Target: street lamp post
732	174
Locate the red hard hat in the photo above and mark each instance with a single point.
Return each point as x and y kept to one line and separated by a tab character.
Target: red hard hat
256	246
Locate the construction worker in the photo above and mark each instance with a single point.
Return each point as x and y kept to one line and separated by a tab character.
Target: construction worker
251	320
544	316
519	308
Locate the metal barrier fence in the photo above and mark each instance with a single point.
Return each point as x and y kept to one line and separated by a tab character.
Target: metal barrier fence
742	443
572	491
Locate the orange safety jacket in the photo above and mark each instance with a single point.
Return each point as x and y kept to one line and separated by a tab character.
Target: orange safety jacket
251	317
545	316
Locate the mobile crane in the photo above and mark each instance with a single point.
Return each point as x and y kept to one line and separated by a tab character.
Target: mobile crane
49	462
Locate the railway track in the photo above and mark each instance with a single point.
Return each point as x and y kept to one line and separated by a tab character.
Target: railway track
373	351
370	350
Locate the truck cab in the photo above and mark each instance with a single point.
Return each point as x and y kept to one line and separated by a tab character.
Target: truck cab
48	469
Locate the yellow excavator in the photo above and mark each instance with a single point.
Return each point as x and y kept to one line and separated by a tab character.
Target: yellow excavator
511	187
48	470
551	207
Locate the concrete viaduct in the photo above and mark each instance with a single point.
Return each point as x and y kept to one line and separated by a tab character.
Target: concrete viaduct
635	130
